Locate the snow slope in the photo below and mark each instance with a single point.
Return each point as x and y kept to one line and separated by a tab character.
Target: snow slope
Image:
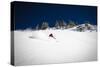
93	28
35	47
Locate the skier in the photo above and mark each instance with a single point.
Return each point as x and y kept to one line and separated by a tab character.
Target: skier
51	35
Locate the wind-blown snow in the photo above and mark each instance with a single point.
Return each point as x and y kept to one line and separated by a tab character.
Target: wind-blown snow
36	47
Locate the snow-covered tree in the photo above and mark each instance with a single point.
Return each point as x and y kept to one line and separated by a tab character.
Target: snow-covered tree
64	24
88	25
37	27
44	25
71	24
57	25
60	24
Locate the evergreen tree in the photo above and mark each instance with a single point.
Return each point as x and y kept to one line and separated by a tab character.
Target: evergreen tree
44	25
37	27
57	25
71	24
88	25
60	24
64	24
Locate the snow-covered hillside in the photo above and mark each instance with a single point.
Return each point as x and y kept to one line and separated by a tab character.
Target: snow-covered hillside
89	28
36	47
